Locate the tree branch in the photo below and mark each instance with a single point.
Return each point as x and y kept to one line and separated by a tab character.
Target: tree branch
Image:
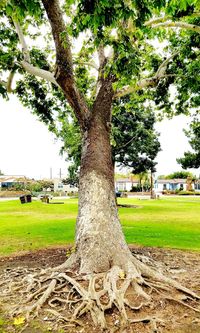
43	74
171	24
86	63
101	55
147	82
102	63
157	20
64	74
64	65
26	63
3	83
22	41
118	149
163	67
9	82
61	39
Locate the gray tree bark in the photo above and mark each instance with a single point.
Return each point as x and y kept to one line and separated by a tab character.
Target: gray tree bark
100	242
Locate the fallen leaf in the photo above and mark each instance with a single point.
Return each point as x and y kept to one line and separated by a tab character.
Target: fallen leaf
122	275
19	321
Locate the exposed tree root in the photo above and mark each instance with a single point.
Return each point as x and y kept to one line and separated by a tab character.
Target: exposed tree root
60	292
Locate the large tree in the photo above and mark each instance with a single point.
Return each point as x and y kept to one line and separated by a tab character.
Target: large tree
112	33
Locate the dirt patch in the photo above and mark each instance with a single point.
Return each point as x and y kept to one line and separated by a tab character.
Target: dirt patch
40	259
12	194
183	266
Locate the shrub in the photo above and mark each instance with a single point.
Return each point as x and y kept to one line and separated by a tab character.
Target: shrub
186	193
165	192
55	194
134	189
124	195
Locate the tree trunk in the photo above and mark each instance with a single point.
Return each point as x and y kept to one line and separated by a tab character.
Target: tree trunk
100	242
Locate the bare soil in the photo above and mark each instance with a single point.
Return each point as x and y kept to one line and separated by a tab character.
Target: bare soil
183	266
12	194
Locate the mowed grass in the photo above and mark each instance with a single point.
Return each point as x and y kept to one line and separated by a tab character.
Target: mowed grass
35	225
168	222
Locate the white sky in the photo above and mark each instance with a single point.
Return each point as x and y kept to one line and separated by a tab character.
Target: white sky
28	148
173	144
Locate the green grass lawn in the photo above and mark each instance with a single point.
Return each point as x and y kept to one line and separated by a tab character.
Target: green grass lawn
168	222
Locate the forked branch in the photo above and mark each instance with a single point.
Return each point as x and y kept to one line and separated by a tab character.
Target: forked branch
149	81
63	76
26	63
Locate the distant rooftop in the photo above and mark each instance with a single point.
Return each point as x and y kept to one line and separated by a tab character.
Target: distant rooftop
12	178
172	181
126	180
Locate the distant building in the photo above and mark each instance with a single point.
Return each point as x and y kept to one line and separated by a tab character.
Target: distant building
60	187
126	184
8	181
197	185
172	185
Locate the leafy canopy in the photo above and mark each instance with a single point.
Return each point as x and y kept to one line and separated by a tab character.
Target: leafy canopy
131	57
180	174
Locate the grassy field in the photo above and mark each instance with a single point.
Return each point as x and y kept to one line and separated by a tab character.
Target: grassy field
168	222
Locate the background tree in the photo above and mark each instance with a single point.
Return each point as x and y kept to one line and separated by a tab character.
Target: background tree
46	184
180	174
114	33
39	185
192	159
134	141
34	186
73	175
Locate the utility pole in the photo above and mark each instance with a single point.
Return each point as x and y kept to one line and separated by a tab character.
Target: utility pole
151	182
60	173
50	173
152	186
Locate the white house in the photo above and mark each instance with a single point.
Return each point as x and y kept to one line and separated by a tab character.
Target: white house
8	181
60	187
171	185
197	185
125	184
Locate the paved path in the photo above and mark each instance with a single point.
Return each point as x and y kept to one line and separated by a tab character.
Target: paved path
7	199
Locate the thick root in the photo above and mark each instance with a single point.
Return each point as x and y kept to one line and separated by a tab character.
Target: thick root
60	292
152	274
